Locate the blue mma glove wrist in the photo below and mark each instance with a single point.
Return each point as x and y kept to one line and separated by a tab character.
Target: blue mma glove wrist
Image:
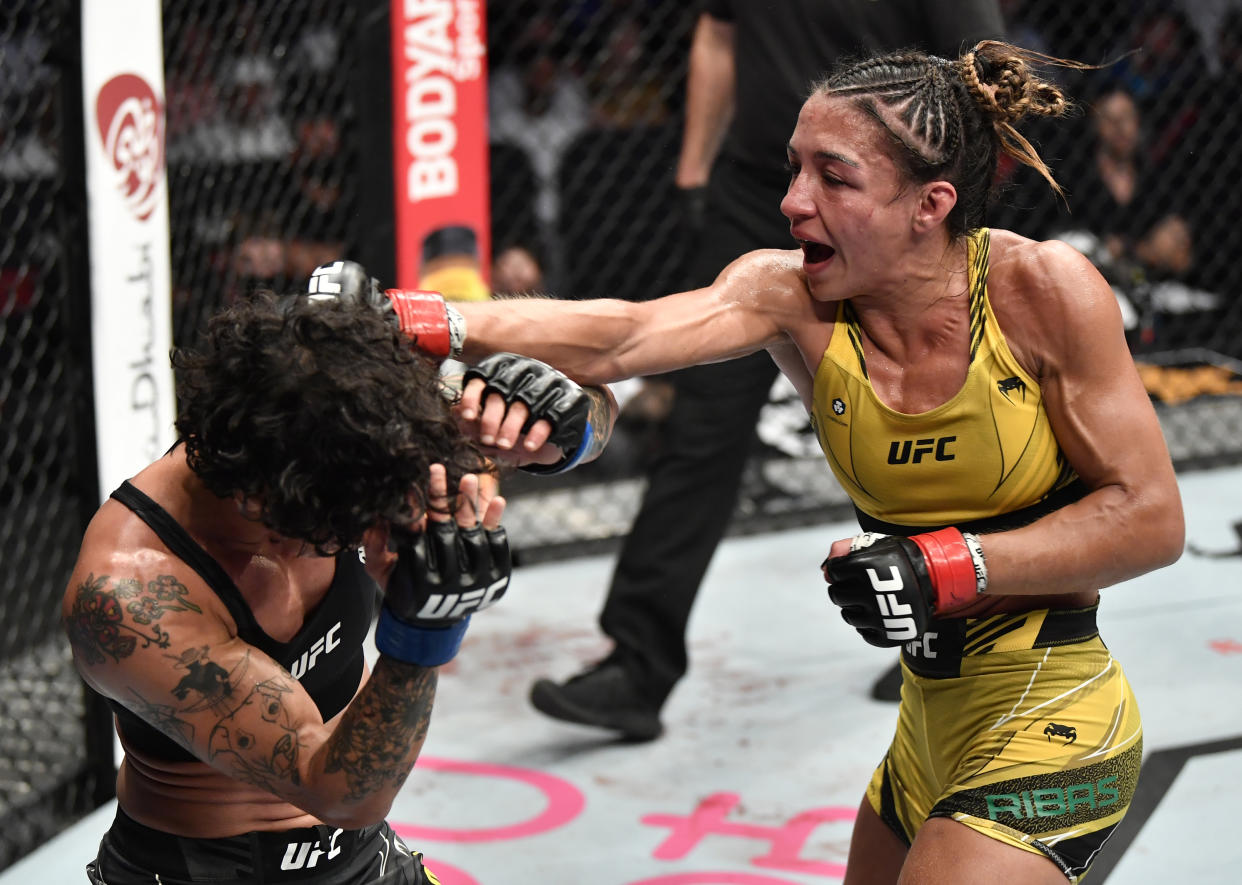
424	646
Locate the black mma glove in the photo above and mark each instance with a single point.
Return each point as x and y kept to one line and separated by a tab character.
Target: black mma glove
889	588
431	324
442	576
549	395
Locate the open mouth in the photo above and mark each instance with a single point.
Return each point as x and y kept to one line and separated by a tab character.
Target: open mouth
815	253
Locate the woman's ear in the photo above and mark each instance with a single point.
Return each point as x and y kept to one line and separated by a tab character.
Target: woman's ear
936	201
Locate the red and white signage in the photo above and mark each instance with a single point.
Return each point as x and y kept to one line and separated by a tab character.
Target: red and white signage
127	202
439	65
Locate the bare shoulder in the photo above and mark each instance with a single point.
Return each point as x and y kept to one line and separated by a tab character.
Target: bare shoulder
129	600
767	267
770	280
1045	294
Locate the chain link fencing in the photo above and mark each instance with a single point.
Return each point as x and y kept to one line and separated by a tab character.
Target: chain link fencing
278	159
48	770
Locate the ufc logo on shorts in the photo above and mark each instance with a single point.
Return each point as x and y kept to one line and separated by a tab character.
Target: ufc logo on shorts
897	627
304	855
458	605
324	280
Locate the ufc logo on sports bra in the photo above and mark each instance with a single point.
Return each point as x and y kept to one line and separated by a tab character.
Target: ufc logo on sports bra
907	452
324	645
897	625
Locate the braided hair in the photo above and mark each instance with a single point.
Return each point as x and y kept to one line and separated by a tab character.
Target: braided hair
950	119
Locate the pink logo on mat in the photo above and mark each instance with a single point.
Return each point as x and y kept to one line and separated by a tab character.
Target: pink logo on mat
564	802
785	841
131	128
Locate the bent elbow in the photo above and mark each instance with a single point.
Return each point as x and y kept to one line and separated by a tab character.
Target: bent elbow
1175	542
1167	539
343	810
1167	552
354	817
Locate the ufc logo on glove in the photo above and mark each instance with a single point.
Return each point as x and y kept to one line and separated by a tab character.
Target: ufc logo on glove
898	620
451	606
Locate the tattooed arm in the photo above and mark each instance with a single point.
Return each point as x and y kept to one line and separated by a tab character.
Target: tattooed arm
148	633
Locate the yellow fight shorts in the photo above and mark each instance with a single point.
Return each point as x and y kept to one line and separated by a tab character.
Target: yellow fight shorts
1020	726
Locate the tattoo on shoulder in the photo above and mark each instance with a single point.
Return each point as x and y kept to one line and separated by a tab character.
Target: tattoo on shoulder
97	625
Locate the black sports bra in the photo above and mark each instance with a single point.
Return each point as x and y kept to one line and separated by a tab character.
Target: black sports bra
325	656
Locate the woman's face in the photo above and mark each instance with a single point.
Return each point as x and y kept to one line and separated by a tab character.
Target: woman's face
1117	123
847	204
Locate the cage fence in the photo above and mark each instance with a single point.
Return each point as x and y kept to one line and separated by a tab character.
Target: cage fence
269	133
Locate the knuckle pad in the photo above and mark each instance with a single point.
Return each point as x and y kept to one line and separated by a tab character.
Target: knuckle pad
415	557
473	550
568	416
498	543
445	548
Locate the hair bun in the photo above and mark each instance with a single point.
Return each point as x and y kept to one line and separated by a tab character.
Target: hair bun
1000	78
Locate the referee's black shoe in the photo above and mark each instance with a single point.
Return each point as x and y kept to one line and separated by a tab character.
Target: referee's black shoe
605	696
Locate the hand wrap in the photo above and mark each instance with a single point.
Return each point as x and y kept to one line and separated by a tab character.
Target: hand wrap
549	395
434	327
888	588
442	576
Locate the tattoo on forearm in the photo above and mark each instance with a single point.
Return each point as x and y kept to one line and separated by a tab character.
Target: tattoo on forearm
372	745
96	624
601	417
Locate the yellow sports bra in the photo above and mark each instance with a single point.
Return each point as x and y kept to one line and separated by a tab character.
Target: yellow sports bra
987	452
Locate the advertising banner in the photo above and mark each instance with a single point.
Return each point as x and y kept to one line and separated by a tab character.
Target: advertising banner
439	66
131	311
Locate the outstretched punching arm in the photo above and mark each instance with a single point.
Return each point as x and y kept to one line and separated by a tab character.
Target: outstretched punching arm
753	304
522	411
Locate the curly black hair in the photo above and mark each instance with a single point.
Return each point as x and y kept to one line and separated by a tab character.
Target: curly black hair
320	413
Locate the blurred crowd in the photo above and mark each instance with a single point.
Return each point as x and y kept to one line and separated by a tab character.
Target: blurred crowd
585	102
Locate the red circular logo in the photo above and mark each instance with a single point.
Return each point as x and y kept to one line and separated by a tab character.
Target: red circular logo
131	127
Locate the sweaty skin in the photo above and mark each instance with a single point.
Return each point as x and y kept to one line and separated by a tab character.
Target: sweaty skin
148	632
890	254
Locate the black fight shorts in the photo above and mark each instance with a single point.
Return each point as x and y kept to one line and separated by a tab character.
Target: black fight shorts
133	854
